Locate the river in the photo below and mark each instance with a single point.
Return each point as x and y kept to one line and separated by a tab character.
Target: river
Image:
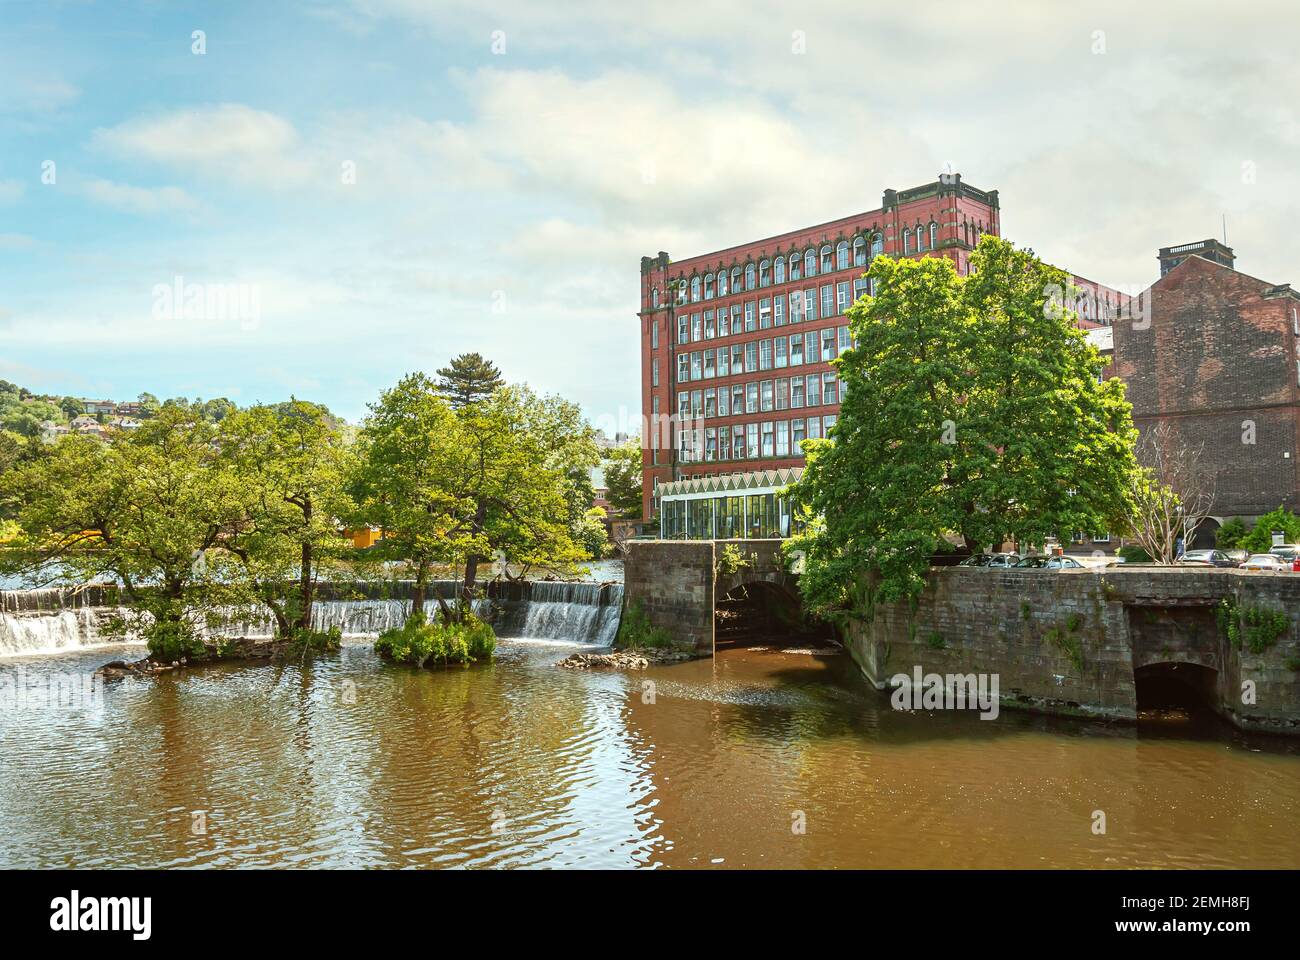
348	762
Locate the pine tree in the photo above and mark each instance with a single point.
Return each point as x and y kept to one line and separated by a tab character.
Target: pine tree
469	379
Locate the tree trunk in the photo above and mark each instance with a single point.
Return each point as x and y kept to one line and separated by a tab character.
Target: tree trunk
306	589
418	588
471	565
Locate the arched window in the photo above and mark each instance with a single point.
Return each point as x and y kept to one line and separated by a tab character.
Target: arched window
654	297
722	283
796	268
810	262
828	258
842	255
708	286
765	273
877	244
934	234
695	289
681	289
749	276
907	241
778	270
859	251
735	280
920	238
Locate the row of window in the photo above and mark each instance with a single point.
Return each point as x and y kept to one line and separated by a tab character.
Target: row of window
793	350
800	306
782	269
769	439
756	516
762	396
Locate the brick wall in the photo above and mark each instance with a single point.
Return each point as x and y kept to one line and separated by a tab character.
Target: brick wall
672	581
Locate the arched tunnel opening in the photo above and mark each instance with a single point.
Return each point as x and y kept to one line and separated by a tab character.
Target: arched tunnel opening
1176	691
762	613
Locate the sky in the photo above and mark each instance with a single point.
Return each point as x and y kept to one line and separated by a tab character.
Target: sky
344	192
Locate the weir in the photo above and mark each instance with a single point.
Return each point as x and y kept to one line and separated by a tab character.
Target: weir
49	621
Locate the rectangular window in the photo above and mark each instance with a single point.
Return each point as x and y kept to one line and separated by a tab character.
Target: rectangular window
796	392
751	397
828	422
796	307
810	305
751	356
710	444
782	393
749	315
782	439
723	326
724	361
829	393
724	401
779	345
828	343
683	368
764	313
767	439
765	354
778	312
846	339
737	362
654	335
810	350
842	389
796	436
710	402
814	428
683	329
738	442
697	404
654	372
709	370
735	318
697	328
796	349
765	394
814	397
751	437
724	443
737	398
709	330
697	365
859	288
842	296
683	404
828	300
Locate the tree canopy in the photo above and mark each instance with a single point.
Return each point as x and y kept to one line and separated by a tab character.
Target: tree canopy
469	378
622	467
973	410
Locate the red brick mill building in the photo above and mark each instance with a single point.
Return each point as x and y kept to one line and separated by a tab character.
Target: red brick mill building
736	344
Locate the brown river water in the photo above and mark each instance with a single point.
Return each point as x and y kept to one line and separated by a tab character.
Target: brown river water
347	762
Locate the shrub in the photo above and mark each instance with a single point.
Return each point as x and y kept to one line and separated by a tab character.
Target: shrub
1230	534
635	630
170	640
318	641
731	561
1261	537
418	642
935	640
1134	554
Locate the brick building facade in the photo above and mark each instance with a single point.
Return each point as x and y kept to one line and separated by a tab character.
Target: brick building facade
736	344
1217	355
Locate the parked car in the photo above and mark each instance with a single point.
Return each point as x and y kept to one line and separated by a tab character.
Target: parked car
1049	563
1002	560
1288	553
1214	558
1267	562
1238	555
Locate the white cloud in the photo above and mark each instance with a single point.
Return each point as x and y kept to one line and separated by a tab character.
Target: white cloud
145	201
11	191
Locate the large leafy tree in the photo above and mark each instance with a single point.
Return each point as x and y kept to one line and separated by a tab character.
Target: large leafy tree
468	379
622	467
290	461
973	409
148	510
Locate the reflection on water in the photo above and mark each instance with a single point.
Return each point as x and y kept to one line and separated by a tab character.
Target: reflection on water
346	762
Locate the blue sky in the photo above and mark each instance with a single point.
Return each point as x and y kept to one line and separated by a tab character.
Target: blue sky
513	161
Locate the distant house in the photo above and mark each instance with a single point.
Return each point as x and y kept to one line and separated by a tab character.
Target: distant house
124	423
94	407
130	409
51	431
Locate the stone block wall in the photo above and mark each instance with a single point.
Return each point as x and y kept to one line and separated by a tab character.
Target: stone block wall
672	581
1068	641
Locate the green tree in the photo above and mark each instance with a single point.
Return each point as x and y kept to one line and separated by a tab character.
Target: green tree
468	379
290	463
590	534
623	479
1230	534
148	510
1260	538
973	409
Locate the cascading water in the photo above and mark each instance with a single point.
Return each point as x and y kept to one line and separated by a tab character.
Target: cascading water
49	621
